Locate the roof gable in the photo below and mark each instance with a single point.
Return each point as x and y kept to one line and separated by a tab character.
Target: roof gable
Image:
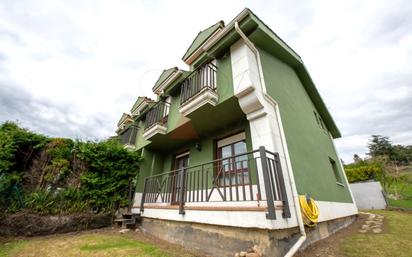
169	78
165	74
201	37
140	104
124	119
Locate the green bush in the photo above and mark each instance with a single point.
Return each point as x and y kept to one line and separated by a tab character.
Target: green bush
57	175
363	171
110	170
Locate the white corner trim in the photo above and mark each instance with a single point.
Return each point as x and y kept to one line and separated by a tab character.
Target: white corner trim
206	96
155	129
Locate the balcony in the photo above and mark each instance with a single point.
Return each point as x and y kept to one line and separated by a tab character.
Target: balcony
249	181
156	120
198	89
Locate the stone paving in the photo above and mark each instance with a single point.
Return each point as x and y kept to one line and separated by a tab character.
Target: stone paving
373	223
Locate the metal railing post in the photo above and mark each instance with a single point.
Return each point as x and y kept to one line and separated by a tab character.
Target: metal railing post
286	210
182	191
143	196
268	188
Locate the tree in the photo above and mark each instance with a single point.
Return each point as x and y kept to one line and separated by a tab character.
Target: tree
356	158
380	146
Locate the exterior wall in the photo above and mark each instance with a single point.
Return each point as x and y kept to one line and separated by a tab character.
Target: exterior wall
309	145
175	119
224	78
140	141
152	164
368	195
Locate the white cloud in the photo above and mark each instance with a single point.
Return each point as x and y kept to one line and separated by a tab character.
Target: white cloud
80	64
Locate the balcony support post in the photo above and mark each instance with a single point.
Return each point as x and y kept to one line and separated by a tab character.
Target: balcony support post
143	196
285	202
182	191
271	215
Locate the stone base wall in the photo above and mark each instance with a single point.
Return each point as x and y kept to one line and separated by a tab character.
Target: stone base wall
223	241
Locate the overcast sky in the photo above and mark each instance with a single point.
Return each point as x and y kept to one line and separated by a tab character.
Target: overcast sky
71	68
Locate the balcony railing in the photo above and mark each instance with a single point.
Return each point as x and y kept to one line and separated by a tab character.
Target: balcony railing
157	115
231	179
202	78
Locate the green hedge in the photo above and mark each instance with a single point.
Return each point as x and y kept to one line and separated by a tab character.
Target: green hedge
59	175
363	171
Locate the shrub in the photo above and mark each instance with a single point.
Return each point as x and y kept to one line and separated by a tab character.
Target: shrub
58	175
363	171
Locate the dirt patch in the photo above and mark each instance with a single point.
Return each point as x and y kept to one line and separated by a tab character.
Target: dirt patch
330	246
28	224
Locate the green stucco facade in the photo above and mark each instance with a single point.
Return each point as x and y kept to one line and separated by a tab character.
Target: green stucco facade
310	146
224	78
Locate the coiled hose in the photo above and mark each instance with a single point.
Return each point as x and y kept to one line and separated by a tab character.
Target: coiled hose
310	211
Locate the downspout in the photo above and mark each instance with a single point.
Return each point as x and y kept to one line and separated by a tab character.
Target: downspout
292	184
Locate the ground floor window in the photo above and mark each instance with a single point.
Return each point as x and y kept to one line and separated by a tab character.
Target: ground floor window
233	165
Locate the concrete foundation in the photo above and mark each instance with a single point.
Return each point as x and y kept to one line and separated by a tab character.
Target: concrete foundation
222	241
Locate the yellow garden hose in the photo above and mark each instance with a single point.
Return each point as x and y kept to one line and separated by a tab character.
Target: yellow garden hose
310	211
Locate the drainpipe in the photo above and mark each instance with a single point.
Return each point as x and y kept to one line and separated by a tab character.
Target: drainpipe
292	184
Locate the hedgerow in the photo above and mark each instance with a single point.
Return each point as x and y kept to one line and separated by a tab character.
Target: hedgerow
47	175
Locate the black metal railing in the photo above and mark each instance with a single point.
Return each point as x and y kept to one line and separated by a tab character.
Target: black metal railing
202	78
128	137
235	178
157	115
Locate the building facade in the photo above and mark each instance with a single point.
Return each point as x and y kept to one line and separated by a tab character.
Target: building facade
231	142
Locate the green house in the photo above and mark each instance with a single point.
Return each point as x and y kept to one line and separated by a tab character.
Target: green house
230	143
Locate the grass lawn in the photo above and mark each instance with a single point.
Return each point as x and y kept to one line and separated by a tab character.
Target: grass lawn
406	201
396	241
93	243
